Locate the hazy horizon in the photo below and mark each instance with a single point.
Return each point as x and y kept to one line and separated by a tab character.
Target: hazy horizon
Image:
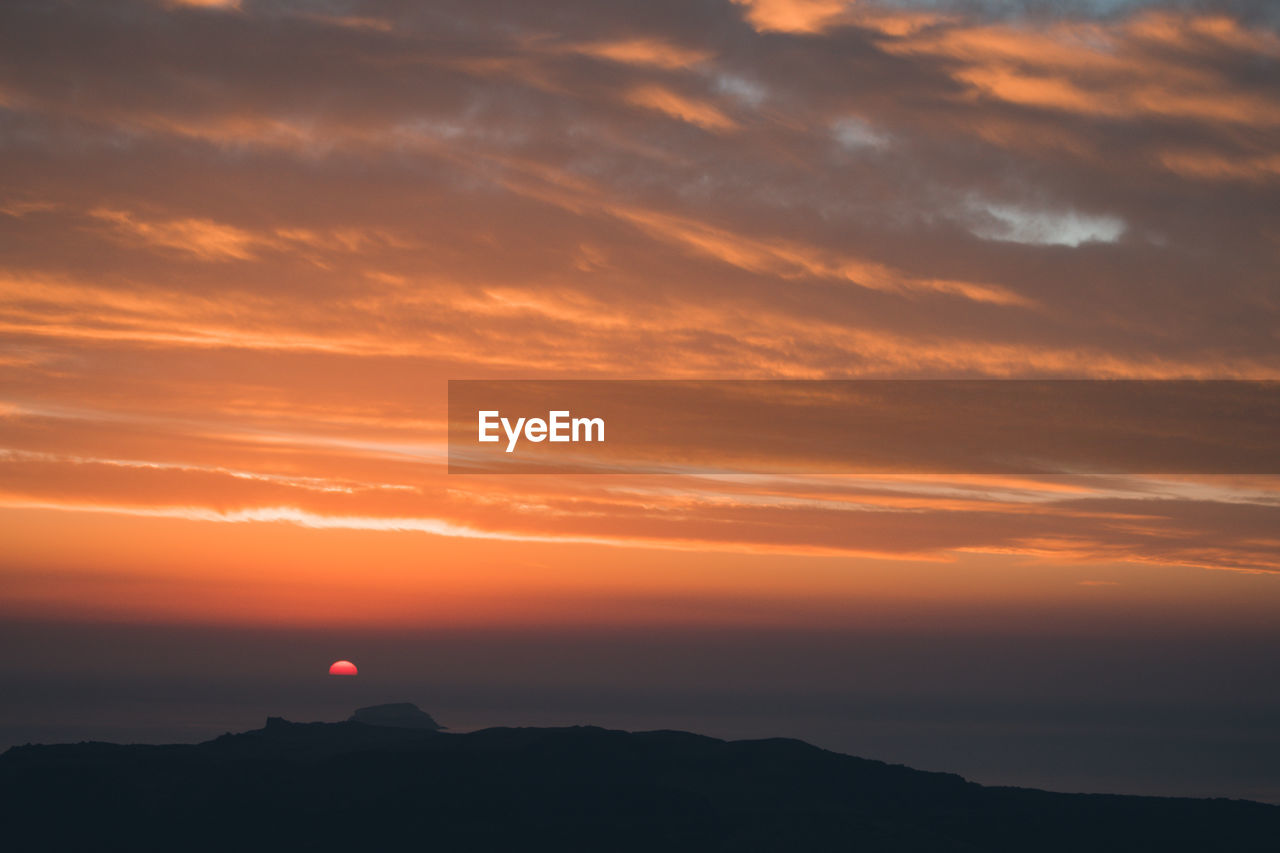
1165	714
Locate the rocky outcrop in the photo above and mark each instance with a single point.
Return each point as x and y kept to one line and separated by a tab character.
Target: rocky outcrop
397	715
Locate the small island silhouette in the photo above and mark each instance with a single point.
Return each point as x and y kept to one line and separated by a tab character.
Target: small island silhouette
389	778
399	715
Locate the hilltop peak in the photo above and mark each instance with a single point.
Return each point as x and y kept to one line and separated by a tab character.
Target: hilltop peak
399	715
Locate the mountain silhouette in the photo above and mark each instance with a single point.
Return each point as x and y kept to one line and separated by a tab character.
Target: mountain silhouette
352	786
399	715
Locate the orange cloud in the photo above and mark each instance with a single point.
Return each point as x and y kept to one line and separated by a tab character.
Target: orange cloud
793	16
1216	167
1103	69
22	208
810	17
204	238
644	51
788	259
218	241
233	5
697	112
1203	33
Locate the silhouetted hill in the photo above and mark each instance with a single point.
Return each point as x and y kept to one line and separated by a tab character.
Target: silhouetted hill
356	787
399	715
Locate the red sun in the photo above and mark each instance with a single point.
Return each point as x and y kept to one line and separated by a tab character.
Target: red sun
342	667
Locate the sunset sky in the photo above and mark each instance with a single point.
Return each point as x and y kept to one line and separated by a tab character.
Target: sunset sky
244	246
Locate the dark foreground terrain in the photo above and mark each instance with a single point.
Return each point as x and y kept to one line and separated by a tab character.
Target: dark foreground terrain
355	787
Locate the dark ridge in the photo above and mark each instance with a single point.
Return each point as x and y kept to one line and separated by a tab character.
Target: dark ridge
352	786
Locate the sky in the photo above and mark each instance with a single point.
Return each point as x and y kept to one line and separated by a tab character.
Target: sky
245	245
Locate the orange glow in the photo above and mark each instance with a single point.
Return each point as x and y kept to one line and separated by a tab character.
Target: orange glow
233	292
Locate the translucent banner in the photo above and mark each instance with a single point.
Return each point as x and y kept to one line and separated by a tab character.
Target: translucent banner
865	427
